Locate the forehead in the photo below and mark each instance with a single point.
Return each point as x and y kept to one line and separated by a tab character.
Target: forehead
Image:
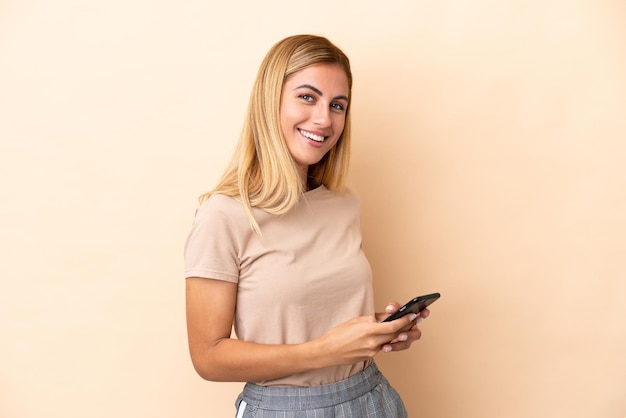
328	78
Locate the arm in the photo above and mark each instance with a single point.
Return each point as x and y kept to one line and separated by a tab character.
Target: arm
217	357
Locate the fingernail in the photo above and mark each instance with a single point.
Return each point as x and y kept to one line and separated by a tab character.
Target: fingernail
413	316
387	348
390	308
403	337
419	321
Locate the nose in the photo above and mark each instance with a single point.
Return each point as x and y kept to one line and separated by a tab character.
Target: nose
321	115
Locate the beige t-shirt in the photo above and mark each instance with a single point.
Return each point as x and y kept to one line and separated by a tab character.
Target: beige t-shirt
306	274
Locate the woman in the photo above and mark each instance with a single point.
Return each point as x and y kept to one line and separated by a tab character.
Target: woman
275	249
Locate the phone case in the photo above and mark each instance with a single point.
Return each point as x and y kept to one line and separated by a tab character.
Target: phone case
415	305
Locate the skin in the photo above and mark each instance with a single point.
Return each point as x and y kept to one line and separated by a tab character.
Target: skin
313	106
313	103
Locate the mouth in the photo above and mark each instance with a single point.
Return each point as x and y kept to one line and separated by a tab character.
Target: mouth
312	136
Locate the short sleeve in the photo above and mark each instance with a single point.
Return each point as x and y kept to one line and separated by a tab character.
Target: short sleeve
211	246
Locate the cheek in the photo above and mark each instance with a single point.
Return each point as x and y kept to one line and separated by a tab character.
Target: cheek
288	118
338	125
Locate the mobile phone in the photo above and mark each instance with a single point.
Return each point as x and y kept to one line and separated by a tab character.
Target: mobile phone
415	305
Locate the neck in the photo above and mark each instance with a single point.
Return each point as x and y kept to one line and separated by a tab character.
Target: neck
304	176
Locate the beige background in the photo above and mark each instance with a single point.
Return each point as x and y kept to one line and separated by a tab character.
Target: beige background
489	154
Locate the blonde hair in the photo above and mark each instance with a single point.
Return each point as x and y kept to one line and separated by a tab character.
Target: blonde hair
262	173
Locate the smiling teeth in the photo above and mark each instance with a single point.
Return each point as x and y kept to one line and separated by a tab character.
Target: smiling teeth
314	137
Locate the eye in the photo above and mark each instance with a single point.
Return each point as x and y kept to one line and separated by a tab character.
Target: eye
337	106
306	97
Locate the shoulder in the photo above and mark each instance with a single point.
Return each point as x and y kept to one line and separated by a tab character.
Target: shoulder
223	210
347	194
219	204
345	198
350	194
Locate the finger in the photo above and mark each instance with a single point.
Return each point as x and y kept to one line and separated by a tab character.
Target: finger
411	334
404	322
402	342
392	307
401	337
397	326
399	346
414	334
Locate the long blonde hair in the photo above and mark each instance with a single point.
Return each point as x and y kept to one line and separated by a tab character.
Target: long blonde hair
262	173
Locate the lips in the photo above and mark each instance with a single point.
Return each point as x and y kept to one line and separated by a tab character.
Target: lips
312	136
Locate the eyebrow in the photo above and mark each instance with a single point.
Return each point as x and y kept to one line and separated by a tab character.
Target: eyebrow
318	91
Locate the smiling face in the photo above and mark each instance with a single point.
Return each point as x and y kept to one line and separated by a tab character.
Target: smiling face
313	107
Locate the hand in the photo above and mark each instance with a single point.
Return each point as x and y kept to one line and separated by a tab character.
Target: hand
408	334
360	339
